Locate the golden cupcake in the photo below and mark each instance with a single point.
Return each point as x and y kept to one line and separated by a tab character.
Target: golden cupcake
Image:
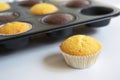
43	8
4	6
80	51
14	28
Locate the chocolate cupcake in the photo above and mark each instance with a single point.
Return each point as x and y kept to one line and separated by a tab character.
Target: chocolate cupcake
30	3
77	3
8	16
59	18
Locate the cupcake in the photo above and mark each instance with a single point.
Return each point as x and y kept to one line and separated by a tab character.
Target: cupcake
30	3
8	16
59	19
43	8
77	3
80	51
14	28
4	6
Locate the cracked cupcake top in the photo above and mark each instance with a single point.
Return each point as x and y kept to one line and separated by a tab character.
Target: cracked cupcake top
80	45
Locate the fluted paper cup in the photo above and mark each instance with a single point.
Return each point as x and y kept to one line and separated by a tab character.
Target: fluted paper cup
80	62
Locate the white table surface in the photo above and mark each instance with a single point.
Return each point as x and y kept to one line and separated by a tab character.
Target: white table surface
41	59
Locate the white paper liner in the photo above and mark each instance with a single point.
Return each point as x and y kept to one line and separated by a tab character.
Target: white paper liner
80	61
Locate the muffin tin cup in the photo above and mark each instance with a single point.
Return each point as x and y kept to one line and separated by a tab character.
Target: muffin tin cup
30	27
97	11
99	23
61	33
86	15
16	43
80	62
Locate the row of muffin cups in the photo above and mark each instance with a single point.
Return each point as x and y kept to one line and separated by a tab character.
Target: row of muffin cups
89	7
92	11
52	19
89	11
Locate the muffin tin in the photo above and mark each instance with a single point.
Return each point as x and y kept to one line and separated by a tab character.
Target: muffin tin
94	15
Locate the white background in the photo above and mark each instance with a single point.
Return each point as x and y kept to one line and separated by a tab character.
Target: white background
41	59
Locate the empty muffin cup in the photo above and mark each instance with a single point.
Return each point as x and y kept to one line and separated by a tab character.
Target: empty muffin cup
97	11
77	3
8	16
16	43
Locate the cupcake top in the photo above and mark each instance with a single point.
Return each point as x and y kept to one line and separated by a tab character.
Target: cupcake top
30	2
4	6
13	28
77	3
43	8
80	45
58	18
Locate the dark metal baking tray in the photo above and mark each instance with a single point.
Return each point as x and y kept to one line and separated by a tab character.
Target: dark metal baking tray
96	14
